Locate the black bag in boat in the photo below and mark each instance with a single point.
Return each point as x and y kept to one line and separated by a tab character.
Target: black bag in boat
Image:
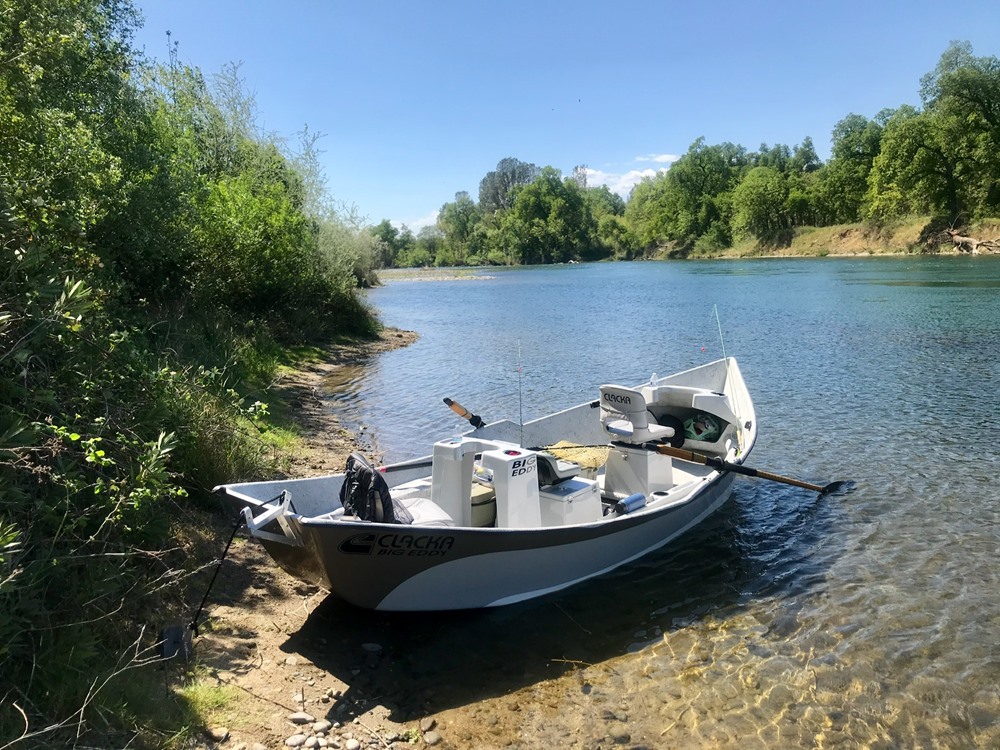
365	494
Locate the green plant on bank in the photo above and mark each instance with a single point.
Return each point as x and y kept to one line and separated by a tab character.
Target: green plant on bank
158	257
413	736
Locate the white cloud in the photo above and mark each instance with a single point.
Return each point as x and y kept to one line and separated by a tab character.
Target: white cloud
620	183
418	224
659	158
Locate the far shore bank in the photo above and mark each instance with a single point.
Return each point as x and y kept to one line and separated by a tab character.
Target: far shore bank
907	238
915	236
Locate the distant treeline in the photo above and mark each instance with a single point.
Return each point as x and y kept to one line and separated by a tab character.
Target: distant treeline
940	160
157	253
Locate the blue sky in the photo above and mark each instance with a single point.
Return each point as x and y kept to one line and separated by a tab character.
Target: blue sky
419	100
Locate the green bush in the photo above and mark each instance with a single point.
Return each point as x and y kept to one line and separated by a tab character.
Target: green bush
156	254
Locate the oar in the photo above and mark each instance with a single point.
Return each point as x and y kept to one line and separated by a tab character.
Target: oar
718	463
474	419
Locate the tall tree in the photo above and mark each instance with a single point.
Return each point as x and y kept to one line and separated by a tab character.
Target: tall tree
496	189
804	158
65	104
920	167
457	221
856	141
692	199
550	220
759	208
965	89
652	208
777	157
602	201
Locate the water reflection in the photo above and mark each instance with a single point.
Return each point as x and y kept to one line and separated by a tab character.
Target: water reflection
445	655
711	575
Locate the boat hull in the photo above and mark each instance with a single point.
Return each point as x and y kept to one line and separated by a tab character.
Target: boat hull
395	568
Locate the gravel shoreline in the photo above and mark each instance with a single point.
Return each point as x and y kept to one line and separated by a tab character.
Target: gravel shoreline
265	645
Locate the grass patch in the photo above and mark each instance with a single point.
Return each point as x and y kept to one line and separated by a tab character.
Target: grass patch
209	700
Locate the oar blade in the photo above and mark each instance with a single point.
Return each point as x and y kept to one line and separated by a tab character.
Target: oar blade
845	485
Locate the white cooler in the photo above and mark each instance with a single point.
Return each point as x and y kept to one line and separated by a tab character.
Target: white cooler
572	501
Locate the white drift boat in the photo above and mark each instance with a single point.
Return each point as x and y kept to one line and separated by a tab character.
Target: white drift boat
503	513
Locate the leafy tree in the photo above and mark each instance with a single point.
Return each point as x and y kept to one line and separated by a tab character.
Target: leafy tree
457	221
63	96
430	239
778	156
968	85
613	236
421	250
964	91
759	206
800	205
803	178
691	199
391	242
153	246
804	158
497	188
919	168
603	202
492	243
550	220
347	256
238	220
614	233
651	208
843	182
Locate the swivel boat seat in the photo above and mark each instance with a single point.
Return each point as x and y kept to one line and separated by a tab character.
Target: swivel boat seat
633	464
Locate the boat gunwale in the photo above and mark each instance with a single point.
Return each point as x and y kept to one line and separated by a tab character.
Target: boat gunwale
694	489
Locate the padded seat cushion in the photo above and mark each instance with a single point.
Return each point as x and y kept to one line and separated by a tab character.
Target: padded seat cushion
426	512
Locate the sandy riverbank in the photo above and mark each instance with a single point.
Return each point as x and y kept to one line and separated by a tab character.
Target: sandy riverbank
275	646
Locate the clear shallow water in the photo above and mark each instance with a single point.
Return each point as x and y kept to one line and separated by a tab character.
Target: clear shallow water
870	618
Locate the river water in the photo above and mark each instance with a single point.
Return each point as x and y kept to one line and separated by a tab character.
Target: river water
866	618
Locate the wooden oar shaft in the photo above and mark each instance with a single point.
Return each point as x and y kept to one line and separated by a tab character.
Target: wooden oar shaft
787	480
718	463
474	420
778	478
457	408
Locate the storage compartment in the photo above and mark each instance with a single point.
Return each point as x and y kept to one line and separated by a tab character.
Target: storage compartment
707	416
573	501
633	469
